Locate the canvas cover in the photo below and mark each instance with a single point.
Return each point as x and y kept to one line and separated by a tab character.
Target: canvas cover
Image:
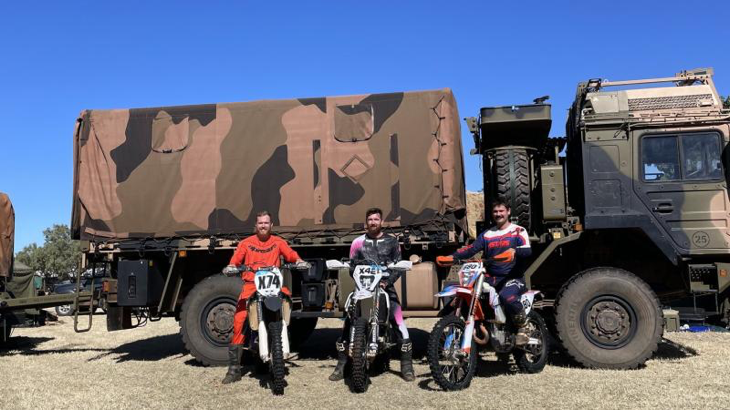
317	164
7	235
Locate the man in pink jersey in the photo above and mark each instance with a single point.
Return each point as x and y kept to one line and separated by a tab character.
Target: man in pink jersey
383	249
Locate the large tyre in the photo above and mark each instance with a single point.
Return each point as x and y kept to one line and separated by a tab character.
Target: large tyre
300	329
511	182
277	368
532	358
360	378
206	319
448	370
608	318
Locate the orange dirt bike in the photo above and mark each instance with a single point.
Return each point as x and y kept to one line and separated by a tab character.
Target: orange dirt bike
269	310
474	320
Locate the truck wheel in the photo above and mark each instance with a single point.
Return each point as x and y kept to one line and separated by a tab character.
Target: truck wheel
608	318
511	182
206	319
300	329
64	310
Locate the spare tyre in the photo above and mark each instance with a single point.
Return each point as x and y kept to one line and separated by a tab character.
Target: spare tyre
510	182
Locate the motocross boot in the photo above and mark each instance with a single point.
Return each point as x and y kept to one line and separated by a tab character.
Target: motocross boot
523	334
339	372
234	364
406	361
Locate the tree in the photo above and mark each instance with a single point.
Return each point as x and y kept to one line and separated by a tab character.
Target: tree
726	102
59	254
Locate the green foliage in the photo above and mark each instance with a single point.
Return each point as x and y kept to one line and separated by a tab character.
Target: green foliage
726	102
59	254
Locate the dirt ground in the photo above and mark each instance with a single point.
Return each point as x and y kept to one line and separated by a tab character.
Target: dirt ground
52	367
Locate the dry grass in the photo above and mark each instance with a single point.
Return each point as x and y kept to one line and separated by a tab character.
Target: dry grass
52	367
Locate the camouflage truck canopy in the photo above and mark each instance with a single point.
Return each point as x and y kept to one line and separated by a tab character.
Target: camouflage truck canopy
317	164
7	235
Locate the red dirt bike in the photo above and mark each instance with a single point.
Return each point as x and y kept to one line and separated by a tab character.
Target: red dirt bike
474	320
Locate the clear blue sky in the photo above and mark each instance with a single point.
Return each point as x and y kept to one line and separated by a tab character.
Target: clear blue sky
61	57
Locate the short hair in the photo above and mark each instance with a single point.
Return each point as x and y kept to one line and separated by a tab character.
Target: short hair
500	202
263	213
373	211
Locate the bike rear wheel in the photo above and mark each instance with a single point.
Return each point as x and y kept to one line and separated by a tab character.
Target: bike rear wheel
532	358
450	370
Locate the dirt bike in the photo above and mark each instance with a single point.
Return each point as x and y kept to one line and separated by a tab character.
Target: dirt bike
269	312
474	320
368	310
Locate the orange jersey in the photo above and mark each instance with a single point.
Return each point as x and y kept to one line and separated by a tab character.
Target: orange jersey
254	253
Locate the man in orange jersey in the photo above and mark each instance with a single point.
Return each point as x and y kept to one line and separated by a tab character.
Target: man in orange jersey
260	250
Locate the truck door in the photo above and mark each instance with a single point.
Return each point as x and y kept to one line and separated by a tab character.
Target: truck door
681	183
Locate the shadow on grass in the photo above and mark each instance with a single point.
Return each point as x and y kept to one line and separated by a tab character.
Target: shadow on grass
150	349
22	345
669	350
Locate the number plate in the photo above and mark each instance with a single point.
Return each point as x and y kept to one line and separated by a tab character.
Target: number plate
268	283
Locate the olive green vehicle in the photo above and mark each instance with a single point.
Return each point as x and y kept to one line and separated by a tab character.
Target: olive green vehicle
633	216
643	219
20	300
163	195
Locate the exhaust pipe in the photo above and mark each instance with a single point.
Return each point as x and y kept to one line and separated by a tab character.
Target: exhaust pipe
483	341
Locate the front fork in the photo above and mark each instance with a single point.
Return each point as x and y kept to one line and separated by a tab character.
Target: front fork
264	336
466	340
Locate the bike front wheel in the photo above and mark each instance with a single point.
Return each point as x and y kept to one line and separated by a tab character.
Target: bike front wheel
451	369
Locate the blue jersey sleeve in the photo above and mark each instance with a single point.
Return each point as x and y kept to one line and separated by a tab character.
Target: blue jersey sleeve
470	250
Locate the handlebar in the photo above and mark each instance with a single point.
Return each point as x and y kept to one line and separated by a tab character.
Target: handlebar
230	271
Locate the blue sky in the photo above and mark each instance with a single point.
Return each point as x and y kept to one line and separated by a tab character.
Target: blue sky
61	57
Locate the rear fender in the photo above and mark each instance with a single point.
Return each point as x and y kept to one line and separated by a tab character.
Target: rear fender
528	299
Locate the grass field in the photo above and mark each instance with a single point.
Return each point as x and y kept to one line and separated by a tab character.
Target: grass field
52	367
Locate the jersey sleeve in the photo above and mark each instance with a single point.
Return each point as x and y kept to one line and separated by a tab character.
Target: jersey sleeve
523	248
470	250
355	248
396	255
289	254
238	255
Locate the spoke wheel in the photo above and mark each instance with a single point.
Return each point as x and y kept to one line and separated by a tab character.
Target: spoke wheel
450	368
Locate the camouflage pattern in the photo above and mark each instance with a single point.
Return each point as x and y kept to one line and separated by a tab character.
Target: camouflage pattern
316	164
7	235
653	158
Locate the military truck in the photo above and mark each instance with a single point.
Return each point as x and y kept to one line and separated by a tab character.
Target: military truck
20	299
163	195
7	239
633	216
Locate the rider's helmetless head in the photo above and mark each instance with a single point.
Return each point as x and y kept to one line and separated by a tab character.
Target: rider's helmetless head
500	213
263	225
374	222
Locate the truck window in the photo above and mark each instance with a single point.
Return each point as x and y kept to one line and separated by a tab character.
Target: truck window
701	157
660	158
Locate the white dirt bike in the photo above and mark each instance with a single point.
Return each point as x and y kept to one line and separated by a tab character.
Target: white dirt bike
368	310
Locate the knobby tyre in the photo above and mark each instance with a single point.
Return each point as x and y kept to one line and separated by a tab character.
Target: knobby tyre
532	358
448	370
608	318
278	369
360	378
511	182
